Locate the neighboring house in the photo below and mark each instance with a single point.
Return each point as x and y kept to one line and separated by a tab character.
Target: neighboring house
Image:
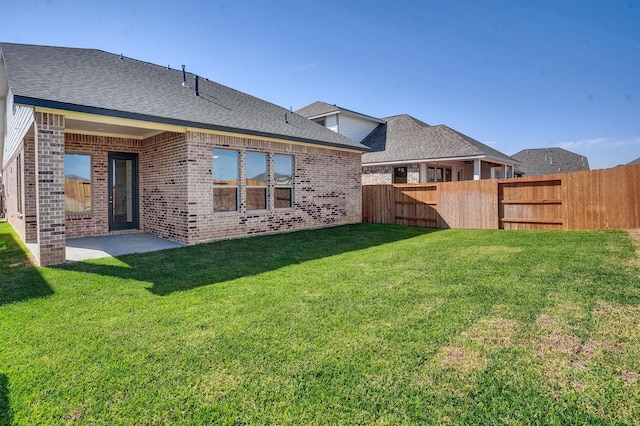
349	123
94	143
407	150
543	161
634	162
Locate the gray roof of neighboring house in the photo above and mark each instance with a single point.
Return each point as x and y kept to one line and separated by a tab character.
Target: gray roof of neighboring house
542	161
320	108
406	138
636	161
94	81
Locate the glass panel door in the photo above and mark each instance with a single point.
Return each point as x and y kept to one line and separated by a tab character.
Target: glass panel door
123	191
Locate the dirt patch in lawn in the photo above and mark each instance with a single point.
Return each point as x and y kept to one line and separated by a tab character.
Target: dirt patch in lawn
491	333
564	357
456	367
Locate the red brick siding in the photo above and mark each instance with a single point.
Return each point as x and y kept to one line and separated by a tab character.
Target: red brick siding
327	189
164	183
97	222
49	156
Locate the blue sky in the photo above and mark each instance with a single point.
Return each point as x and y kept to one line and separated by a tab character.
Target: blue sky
512	74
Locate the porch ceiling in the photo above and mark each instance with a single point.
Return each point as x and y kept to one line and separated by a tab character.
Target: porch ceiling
108	129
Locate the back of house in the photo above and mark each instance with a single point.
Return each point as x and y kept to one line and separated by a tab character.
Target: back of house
94	143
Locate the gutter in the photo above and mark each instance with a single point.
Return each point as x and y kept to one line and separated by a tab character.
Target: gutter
433	160
35	102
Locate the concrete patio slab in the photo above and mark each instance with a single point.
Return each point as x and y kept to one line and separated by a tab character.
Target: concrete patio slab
115	245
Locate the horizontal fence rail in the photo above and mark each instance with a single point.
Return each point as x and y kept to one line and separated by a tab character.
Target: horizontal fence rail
598	199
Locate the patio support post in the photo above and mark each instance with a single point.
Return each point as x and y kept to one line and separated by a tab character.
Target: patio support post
29	179
50	204
476	169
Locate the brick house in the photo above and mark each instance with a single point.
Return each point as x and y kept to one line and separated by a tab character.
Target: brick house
407	150
94	143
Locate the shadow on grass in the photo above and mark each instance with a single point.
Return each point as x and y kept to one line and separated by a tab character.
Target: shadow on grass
19	279
194	266
6	415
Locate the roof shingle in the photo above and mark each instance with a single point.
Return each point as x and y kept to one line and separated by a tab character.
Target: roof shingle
405	138
92	80
542	161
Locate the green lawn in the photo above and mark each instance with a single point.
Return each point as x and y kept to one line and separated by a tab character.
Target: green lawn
363	324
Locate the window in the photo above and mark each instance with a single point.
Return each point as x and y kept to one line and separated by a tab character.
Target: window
19	182
438	174
77	183
283	176
399	175
256	180
496	172
225	181
321	121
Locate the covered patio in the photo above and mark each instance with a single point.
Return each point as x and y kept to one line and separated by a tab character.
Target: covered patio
83	248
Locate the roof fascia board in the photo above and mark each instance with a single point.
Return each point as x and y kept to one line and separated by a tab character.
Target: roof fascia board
502	160
171	124
326	114
425	160
432	160
351	113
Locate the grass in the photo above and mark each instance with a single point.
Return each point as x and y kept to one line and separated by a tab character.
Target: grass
362	324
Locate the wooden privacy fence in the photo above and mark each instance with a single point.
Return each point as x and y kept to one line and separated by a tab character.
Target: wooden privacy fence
598	199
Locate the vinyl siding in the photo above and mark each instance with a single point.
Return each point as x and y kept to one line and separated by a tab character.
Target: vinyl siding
19	120
355	128
331	122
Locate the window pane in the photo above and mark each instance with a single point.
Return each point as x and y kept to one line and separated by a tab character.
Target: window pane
256	169
283	169
77	183
283	198
256	198
400	175
225	168
225	199
431	174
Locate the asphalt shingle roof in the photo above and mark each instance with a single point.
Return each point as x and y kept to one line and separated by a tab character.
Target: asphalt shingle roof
636	161
319	108
542	161
90	80
406	138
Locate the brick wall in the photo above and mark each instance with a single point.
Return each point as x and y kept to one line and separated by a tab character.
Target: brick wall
377	175
413	173
176	190
29	194
49	160
327	189
383	175
164	183
97	221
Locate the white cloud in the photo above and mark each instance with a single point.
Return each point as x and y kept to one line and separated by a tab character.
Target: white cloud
306	67
601	143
